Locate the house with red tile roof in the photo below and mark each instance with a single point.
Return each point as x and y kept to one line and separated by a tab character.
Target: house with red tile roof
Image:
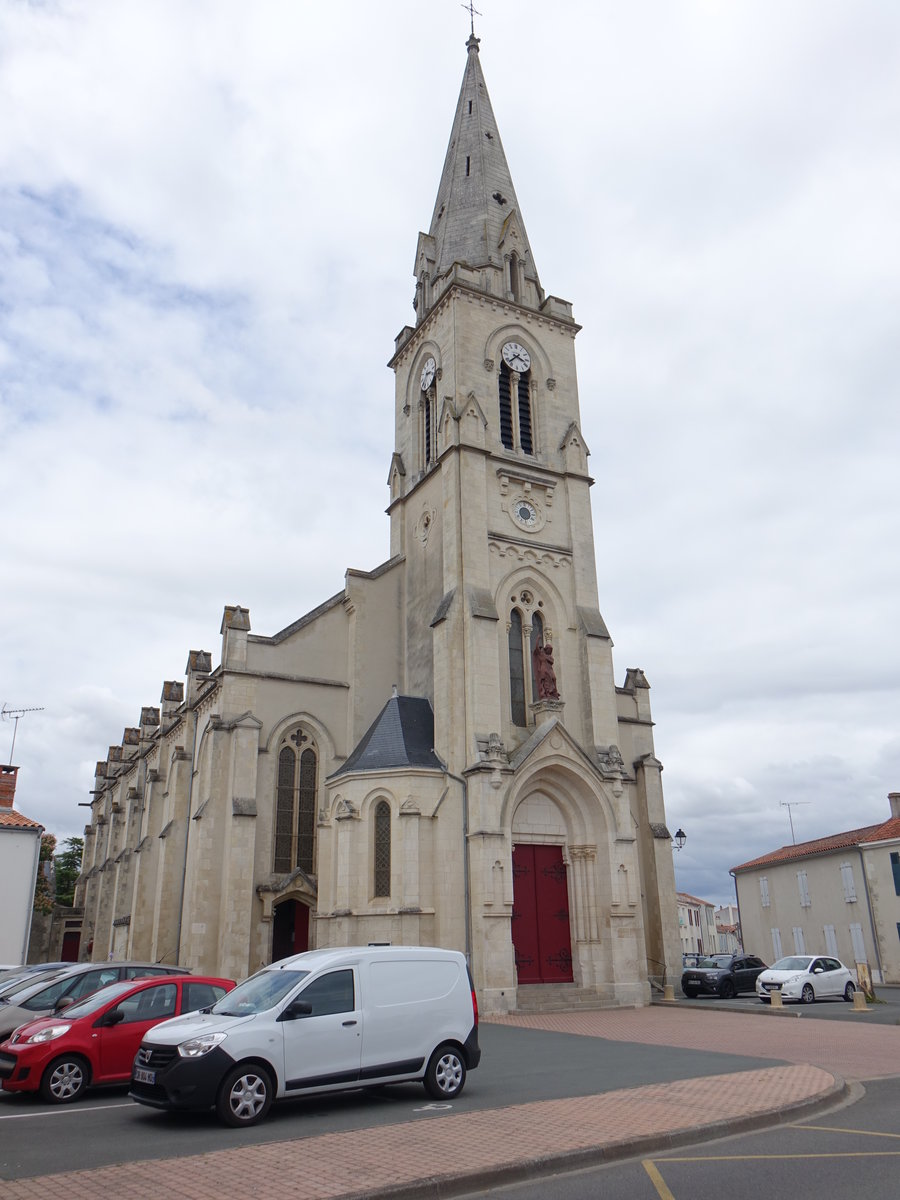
20	851
836	895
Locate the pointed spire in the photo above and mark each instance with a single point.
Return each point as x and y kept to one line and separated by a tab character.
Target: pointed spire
476	219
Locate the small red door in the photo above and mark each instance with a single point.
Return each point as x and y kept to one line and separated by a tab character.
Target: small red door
540	918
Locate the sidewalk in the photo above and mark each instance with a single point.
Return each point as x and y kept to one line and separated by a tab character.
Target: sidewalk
442	1154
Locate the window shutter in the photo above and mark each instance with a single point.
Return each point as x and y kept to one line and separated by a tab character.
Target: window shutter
847	881
803	885
764	891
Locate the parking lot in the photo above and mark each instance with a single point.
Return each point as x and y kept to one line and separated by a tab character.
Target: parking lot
885	1010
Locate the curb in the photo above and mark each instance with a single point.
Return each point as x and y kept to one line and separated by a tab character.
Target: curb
528	1170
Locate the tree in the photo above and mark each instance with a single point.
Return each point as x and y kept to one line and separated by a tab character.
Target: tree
68	868
43	892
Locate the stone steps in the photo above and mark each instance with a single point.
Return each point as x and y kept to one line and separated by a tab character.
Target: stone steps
557	997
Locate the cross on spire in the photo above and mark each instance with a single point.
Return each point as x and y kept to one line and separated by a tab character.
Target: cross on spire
473	13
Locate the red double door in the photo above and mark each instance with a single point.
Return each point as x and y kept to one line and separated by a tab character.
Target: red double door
540	918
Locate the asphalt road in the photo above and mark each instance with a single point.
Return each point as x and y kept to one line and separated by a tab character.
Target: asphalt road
852	1150
885	1010
517	1065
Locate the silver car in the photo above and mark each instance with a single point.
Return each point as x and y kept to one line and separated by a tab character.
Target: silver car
56	992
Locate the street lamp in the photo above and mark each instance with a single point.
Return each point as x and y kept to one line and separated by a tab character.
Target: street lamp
679	839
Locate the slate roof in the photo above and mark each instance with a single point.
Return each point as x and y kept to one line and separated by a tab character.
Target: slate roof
883	831
476	194
402	735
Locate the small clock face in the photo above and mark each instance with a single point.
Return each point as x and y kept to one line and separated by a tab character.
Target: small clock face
516	357
525	514
427	376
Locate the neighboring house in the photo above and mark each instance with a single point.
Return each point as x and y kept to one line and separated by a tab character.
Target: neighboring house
727	939
697	925
728	929
504	798
20	852
837	895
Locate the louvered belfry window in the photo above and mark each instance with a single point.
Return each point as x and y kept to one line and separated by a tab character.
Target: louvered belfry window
295	809
506	423
525	414
382	848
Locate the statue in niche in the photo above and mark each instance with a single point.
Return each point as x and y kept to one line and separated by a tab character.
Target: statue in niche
544	675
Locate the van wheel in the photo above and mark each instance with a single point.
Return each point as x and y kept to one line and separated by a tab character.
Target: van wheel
245	1096
445	1075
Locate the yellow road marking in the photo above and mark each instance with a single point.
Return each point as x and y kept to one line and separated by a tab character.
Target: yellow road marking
658	1182
779	1157
838	1129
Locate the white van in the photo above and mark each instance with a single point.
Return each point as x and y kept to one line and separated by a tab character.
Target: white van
323	1021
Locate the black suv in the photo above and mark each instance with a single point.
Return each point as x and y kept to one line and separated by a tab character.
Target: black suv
722	975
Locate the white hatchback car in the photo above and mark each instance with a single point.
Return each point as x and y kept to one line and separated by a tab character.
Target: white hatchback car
807	978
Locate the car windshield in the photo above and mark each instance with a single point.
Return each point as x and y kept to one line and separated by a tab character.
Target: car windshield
26	988
717	960
97	999
258	993
793	962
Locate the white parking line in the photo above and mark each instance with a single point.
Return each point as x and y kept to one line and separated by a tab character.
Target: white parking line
62	1112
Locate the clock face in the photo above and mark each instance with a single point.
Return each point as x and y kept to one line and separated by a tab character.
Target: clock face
425	379
516	357
525	514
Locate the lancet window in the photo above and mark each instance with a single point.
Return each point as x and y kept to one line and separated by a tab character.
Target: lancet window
382	827
295	805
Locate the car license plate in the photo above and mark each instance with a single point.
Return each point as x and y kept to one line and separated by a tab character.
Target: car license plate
142	1076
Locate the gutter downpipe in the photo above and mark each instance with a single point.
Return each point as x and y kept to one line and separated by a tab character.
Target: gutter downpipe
468	903
187	836
737	901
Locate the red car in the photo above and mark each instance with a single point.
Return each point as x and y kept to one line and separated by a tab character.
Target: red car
95	1040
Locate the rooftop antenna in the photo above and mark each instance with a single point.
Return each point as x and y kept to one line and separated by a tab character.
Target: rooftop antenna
15	714
473	13
789	804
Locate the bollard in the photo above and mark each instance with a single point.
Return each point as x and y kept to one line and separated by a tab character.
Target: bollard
859	1001
669	992
775	998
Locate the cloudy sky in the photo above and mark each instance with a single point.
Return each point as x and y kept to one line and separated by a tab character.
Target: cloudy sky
208	218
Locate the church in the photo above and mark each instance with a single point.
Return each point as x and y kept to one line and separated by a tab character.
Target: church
438	754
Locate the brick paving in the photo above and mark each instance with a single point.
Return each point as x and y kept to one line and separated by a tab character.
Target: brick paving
439	1154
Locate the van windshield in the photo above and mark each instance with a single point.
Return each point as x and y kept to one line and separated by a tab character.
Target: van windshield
258	993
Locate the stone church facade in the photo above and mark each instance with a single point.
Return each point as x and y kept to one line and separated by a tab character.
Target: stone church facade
438	754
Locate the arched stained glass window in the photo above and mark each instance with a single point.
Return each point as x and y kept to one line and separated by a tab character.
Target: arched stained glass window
284	811
306	815
516	670
295	808
382	848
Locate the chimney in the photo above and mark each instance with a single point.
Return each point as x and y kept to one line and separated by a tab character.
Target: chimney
8	785
234	630
894	799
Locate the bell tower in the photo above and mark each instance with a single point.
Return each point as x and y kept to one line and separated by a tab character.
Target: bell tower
560	843
489	478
